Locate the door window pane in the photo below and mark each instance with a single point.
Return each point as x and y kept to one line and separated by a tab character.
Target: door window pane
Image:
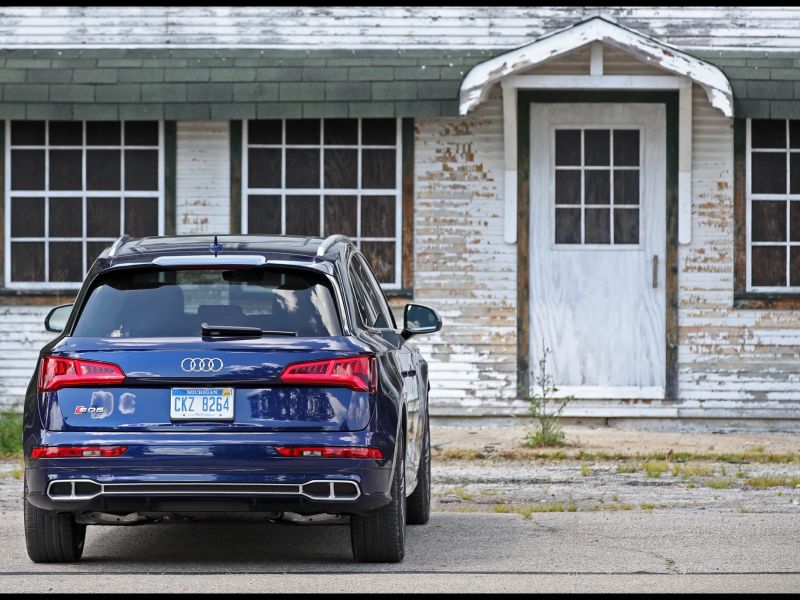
626	187
66	261
27	133
267	131
626	226
769	221
598	226
264	168
102	217
568	226
768	133
302	168
103	133
27	217
66	133
302	215
141	216
568	147
341	215
27	170
568	186
141	170
65	170
377	216
597	147
626	148
768	172
769	266
378	132
103	169
341	168
264	214
27	261
302	132
65	217
141	133
378	169
598	187
341	132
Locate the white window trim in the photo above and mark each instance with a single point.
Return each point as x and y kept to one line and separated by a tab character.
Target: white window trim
786	197
83	193
283	191
611	206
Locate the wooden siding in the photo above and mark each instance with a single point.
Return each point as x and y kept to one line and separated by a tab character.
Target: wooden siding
463	267
401	27
22	335
203	186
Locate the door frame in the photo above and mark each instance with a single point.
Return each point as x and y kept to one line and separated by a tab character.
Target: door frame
670	100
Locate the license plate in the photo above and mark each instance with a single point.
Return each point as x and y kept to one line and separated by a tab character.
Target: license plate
201	403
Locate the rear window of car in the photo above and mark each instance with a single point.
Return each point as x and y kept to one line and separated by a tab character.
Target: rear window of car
175	303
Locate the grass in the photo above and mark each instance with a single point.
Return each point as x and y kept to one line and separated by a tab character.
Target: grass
655	468
626	468
720	484
770	481
686	470
647	506
585	470
523	453
10	434
461	494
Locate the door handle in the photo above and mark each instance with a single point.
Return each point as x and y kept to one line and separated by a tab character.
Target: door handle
655	271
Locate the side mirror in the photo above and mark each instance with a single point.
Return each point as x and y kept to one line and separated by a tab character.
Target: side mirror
56	319
419	319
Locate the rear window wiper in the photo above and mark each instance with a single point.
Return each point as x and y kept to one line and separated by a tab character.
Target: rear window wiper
216	331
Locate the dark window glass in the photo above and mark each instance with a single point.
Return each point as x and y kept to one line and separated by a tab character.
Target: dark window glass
381	256
340	215
27	133
175	303
374	295
769	265
141	133
597	187
66	133
141	216
626	148
267	131
66	217
378	169
768	221
768	133
264	168
794	173
66	261
27	169
794	225
141	170
794	135
341	168
341	132
598	226
27	261
102	217
103	133
66	171
568	226
302	131
597	147
768	172
568	147
626	187
302	168
264	214
626	226
568	186
377	216
379	132
794	266
27	217
302	215
365	311
93	250
103	169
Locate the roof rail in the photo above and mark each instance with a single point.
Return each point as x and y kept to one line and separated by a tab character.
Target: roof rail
330	241
117	245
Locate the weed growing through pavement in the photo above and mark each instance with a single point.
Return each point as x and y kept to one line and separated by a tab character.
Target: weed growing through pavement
546	430
10	434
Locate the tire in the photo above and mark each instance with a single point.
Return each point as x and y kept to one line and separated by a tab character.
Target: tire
418	504
52	537
380	536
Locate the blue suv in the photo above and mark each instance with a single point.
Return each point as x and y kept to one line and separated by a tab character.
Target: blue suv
252	374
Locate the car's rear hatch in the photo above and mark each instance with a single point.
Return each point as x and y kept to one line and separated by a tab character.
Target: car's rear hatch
156	369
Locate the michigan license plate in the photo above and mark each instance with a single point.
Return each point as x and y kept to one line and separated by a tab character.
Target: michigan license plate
201	403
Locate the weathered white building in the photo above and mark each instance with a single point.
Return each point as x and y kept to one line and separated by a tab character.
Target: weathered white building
620	185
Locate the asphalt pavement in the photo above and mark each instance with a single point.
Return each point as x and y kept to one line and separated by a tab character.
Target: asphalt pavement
626	551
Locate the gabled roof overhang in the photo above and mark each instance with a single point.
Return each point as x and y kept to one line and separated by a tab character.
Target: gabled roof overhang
477	84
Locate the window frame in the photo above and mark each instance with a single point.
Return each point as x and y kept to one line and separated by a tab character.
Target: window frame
83	193
399	190
786	198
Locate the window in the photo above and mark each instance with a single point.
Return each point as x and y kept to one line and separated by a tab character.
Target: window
370	303
71	189
773	205
597	179
324	176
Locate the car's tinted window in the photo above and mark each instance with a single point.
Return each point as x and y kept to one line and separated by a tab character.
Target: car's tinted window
365	311
175	303
374	294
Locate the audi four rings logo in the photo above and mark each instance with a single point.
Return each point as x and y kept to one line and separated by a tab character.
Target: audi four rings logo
201	365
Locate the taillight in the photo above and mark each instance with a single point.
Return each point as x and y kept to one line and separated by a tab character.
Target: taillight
358	373
56	372
329	452
78	451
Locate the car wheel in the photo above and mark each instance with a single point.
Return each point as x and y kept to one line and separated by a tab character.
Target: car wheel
52	537
380	535
418	509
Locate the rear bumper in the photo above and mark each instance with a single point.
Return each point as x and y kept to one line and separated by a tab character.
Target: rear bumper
202	473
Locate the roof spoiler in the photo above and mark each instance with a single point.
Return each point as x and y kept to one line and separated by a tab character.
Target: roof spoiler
330	241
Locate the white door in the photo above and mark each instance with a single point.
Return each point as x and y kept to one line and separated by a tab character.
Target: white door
598	244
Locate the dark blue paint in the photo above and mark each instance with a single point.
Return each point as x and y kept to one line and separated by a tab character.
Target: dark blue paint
267	413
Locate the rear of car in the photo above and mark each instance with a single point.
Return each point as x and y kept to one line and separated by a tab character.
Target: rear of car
188	389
